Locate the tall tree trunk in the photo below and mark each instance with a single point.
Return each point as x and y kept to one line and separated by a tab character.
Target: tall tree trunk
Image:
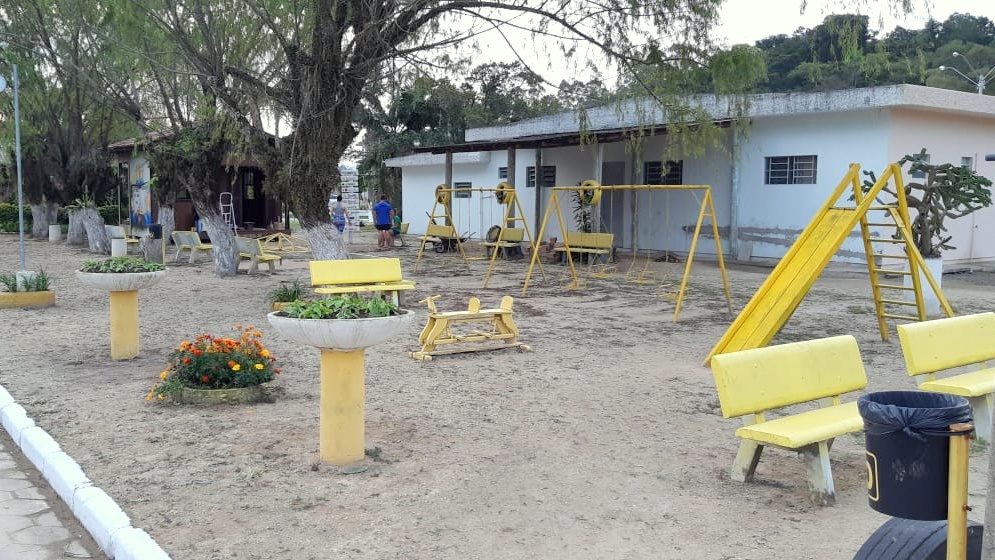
96	235
223	242
167	218
77	233
309	200
42	216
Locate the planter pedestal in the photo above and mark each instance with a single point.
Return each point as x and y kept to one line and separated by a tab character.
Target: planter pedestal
123	288
343	343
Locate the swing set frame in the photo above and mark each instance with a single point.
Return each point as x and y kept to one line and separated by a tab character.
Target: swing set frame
706	209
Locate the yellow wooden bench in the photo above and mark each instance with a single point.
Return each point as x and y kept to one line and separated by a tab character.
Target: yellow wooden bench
508	238
598	244
439	329
753	382
944	344
355	276
251	249
189	241
118	232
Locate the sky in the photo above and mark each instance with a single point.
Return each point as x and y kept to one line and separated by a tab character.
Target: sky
741	22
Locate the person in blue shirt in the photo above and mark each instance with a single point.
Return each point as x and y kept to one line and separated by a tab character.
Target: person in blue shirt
381	217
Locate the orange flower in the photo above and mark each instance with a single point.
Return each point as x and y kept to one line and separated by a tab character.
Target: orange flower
264	353
204	378
196	351
231	363
186	360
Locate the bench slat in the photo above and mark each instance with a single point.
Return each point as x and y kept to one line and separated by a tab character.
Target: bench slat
806	428
355	271
974	384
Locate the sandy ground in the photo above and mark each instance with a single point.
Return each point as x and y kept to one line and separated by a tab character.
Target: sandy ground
604	442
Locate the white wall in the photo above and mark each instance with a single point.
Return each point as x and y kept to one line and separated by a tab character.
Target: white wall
772	216
947	138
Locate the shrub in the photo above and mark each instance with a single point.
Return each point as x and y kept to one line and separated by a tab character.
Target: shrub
122	264
340	307
37	282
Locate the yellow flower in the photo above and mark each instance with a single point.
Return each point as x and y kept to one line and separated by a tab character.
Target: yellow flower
236	367
163	375
264	353
260	366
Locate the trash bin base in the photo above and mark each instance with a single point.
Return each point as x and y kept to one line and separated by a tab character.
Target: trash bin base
906	539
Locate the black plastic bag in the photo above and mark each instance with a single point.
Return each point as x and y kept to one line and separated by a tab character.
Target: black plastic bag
912	412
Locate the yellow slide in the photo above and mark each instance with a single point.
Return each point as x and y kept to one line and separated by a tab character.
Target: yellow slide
800	267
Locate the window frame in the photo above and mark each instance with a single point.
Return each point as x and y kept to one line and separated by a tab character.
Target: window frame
792	170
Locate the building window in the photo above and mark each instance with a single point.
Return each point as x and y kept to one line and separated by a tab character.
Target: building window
548	176
502	172
462	190
923	158
663	173
790	170
967	162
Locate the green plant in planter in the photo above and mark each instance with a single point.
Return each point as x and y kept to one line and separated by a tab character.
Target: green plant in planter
943	191
122	264
38	282
341	307
288	291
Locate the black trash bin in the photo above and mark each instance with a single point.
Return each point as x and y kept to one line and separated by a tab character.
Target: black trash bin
156	231
906	434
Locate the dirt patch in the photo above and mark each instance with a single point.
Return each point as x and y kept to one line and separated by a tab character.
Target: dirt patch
604	442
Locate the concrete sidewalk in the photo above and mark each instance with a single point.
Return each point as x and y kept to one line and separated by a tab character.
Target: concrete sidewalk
34	522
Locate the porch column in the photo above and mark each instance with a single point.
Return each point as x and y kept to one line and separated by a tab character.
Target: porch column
511	181
449	183
538	194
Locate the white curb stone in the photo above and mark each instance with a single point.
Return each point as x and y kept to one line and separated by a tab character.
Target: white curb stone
100	515
5	398
15	419
37	445
65	476
135	544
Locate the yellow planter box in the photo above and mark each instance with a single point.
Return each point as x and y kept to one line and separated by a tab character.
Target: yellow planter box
27	300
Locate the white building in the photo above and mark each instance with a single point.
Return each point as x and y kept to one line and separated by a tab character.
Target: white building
767	182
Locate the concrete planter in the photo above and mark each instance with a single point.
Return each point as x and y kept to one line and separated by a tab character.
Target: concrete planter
123	288
340	334
27	300
120	281
342	418
234	395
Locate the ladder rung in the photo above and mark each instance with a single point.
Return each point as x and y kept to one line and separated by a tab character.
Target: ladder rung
906	317
881	240
892	287
895	272
882	207
892	224
898	302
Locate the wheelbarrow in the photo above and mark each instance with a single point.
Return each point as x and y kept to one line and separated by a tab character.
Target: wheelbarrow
450	244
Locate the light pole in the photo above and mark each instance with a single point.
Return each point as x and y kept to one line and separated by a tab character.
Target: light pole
17	152
982	80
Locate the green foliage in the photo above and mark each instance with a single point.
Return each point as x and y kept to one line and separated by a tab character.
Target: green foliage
341	307
37	282
211	362
122	264
583	214
288	291
946	191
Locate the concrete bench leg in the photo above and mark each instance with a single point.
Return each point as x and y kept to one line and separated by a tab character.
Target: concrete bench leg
820	474
746	460
981	408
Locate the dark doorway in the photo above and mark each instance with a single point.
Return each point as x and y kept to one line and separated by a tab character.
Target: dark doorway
253	201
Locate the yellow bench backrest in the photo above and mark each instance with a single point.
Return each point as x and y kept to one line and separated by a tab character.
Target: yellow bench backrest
514	235
436	230
931	346
115	232
404	228
752	381
590	240
249	246
189	238
355	271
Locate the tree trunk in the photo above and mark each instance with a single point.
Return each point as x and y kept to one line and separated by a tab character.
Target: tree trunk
223	242
77	233
168	220
95	232
988	541
326	242
42	216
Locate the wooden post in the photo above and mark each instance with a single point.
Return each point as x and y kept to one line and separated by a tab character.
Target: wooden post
960	450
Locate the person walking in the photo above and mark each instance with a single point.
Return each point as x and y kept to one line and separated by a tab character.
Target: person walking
381	218
340	214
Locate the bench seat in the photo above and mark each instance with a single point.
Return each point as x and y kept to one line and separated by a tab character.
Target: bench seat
189	241
251	249
805	428
932	347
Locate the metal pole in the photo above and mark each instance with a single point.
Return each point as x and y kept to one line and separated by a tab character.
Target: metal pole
20	180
